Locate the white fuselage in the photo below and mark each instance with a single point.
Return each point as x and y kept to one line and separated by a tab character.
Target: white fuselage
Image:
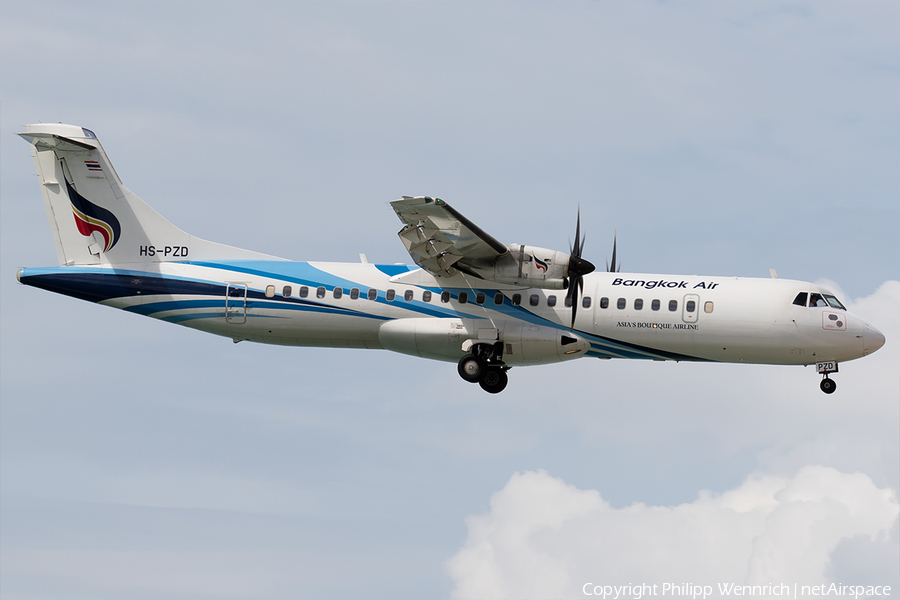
659	317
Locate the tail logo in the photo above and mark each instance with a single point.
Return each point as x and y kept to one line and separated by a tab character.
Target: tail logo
90	218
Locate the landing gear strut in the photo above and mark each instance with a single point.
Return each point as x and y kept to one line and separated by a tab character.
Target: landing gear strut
485	367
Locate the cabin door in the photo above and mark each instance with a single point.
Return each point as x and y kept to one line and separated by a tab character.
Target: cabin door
236	303
691	308
599	306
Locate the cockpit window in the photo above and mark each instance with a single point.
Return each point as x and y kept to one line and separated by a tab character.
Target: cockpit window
816	300
800	300
834	302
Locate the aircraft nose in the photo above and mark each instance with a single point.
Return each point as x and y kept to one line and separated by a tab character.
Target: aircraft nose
872	339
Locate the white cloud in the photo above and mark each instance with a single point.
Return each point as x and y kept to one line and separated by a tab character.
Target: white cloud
545	539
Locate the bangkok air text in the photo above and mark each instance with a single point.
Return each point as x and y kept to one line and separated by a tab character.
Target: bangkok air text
662	283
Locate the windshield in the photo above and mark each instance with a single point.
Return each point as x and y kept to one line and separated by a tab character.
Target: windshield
833	302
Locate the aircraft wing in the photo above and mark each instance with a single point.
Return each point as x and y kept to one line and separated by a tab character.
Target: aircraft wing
441	240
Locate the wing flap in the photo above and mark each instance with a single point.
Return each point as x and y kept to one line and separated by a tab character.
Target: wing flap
437	237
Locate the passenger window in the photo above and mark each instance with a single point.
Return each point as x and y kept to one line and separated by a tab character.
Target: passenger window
586	302
304	291
673	305
620	303
338	292
638	303
604	302
534	300
426	296
691	306
498	298
479	298
816	300
655	304
463	297
286	291
445	296
270	291
408	295
708	307
800	300
551	300
517	299
390	295
320	292
372	294
354	293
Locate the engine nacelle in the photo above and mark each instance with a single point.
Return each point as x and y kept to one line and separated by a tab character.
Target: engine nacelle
528	266
443	339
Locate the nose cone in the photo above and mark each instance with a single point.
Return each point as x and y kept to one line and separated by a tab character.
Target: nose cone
872	339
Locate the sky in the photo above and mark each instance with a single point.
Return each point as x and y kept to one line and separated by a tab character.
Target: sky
145	460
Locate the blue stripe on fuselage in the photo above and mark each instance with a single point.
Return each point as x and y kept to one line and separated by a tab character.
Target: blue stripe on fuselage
99	284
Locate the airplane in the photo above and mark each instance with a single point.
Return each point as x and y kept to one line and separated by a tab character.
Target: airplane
468	298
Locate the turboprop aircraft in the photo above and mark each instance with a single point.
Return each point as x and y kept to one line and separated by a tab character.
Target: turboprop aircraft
469	298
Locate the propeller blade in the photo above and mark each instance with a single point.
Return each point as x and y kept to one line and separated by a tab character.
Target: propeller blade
613	268
578	268
576	251
576	288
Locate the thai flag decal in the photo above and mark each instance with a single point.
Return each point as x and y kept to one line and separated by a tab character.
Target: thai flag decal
541	265
90	218
92	165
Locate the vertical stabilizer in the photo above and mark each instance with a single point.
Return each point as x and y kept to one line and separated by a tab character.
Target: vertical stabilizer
97	220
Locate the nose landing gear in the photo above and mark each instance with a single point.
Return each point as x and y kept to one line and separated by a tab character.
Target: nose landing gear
484	367
826	368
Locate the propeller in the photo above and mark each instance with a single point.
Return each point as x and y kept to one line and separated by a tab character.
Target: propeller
614	268
577	269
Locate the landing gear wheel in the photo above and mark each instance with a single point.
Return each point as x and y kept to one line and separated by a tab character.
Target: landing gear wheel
494	380
828	385
471	368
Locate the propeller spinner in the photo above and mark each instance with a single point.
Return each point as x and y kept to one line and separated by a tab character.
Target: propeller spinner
577	269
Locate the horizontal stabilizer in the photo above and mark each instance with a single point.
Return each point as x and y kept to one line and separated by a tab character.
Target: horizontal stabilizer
51	141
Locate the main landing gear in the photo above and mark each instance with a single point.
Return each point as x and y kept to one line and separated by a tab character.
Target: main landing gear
484	367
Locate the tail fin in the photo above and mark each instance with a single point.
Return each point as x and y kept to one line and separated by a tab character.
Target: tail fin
97	220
